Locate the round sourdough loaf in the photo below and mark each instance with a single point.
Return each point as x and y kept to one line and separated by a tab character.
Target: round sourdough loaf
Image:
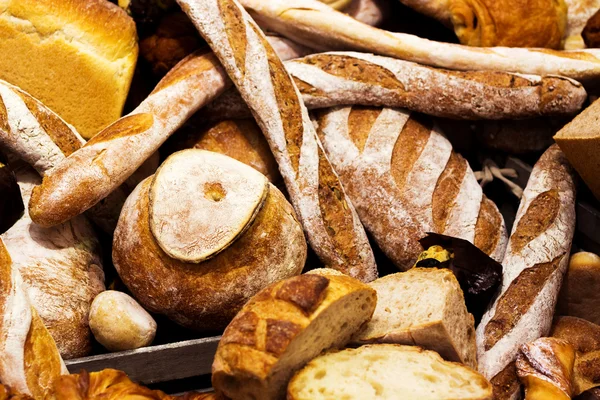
235	257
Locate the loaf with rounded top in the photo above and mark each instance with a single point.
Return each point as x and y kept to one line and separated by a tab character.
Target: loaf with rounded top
347	78
61	269
207	295
29	359
283	327
536	259
239	139
315	24
119	322
387	372
327	215
405	180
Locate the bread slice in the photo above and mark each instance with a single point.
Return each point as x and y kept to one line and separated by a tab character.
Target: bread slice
282	328
386	372
423	307
77	57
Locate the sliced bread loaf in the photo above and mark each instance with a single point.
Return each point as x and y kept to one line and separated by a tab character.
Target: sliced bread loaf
283	327
386	372
423	307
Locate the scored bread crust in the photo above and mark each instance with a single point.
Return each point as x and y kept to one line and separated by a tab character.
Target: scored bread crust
283	327
347	78
315	24
206	296
96	43
330	222
61	269
405	180
189	190
536	259
29	359
106	161
346	365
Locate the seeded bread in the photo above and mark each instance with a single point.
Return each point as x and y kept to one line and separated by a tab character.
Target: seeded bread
423	307
285	326
386	372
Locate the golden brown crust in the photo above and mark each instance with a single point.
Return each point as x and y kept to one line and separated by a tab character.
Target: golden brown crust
506	383
360	122
446	190
208	294
409	146
238	139
517	299
127	126
591	32
255	346
540	214
510	23
487	234
6	393
579	295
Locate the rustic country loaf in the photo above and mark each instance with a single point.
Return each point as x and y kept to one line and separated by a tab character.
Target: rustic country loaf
119	322
545	368
533	267
248	237
579	294
61	269
239	139
584	336
327	215
405	180
283	327
423	307
510	23
29	359
77	57
315	24
387	372
580	141
348	78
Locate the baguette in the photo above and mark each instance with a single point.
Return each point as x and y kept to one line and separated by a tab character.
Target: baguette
536	259
387	372
35	134
91	173
346	78
317	25
545	367
61	269
283	327
29	359
327	215
405	180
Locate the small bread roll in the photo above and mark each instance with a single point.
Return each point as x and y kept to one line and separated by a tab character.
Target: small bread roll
580	293
119	323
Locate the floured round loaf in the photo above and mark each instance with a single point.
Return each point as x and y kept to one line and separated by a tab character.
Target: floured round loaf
206	295
186	193
77	57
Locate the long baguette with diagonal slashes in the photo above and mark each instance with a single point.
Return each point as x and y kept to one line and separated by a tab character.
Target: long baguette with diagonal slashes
346	78
329	220
29	359
38	136
405	180
536	259
317	25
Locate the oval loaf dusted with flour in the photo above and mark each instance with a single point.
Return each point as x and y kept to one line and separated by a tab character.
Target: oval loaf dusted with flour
405	180
218	262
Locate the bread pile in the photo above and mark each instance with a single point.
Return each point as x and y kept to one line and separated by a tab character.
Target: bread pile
300	176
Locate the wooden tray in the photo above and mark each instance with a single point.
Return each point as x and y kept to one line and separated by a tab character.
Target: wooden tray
155	364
